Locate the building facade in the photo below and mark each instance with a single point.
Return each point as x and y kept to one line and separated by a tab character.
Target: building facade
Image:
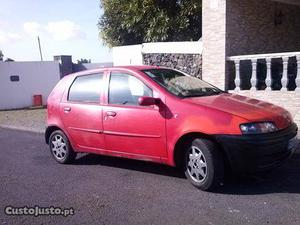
252	47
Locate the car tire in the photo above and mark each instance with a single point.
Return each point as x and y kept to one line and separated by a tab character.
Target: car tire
203	164
60	148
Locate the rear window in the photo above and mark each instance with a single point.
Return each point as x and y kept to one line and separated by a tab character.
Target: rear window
86	88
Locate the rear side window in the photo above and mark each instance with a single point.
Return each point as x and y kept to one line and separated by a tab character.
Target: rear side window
86	88
125	89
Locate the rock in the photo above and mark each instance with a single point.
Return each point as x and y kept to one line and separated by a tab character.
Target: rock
189	63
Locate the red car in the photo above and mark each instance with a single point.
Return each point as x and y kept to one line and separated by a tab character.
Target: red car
165	116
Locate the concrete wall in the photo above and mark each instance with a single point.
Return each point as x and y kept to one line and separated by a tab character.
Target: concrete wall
289	100
36	78
183	47
251	28
127	55
65	64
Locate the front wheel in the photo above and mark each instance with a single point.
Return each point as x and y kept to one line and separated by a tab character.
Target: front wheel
60	147
204	165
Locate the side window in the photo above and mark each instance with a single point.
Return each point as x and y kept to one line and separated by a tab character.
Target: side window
86	88
125	89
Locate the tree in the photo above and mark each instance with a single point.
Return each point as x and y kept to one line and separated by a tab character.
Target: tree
1	56
136	21
81	61
6	60
9	60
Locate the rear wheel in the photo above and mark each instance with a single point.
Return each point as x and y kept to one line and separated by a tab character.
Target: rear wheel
60	147
204	165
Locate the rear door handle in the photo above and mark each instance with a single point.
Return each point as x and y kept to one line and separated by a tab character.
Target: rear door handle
67	109
111	113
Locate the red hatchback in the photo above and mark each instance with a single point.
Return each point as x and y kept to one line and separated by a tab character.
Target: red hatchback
165	116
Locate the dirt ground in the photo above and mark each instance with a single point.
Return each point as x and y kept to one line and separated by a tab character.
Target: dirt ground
25	119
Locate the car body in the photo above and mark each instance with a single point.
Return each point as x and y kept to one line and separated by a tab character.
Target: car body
155	124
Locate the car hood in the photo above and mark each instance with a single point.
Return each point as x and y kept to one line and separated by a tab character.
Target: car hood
250	109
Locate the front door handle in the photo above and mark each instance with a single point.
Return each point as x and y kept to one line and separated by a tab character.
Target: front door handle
111	113
67	109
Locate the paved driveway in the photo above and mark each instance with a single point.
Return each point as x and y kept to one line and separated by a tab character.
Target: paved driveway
104	190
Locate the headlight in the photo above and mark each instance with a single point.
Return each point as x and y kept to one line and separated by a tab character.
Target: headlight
258	128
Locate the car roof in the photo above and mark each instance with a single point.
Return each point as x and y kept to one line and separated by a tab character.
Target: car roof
100	69
137	67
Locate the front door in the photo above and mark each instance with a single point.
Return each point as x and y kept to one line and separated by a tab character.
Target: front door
81	112
128	127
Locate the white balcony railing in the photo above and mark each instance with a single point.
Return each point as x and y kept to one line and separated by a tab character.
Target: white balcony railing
267	59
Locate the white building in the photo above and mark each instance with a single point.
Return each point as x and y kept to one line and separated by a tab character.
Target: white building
19	81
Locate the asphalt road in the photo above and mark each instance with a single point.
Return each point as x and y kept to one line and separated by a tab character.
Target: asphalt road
104	190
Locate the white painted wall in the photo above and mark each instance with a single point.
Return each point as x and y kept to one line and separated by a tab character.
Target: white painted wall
183	47
127	55
36	78
133	54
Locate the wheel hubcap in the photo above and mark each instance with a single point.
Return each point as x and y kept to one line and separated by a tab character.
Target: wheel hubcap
59	147
196	165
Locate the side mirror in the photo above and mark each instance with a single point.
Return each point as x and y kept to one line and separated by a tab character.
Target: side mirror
148	101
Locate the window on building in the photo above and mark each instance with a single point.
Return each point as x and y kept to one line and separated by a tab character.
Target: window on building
125	89
86	88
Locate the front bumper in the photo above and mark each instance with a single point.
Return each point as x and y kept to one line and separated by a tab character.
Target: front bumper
258	152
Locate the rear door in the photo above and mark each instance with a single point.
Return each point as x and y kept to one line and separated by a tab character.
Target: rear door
81	112
129	128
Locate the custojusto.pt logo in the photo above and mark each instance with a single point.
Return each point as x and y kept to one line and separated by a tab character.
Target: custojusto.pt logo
38	211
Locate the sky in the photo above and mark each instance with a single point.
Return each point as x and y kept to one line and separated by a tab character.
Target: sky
65	27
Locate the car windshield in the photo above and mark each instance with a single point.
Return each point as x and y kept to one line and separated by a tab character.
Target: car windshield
180	84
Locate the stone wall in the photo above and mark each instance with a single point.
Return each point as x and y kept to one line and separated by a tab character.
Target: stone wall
289	100
189	63
251	27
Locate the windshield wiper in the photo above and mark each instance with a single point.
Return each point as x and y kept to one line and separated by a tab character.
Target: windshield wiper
216	92
195	95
